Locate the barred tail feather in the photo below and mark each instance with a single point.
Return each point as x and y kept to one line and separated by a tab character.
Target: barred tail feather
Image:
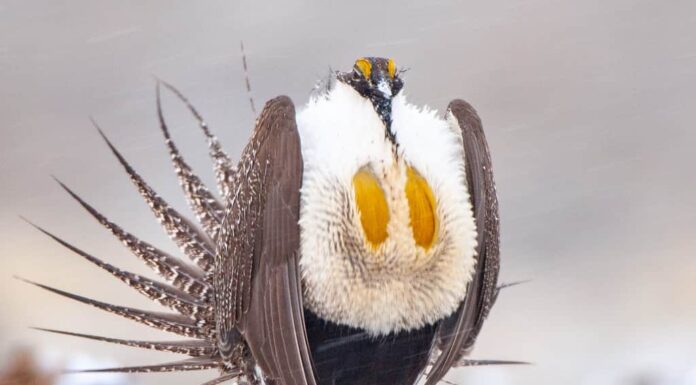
179	366
174	323
223	378
189	279
224	167
468	362
163	294
505	286
192	242
207	208
193	348
189	286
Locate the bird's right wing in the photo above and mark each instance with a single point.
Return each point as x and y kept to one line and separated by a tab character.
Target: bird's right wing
257	279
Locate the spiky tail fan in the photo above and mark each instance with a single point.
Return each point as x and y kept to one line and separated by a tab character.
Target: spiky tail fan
188	288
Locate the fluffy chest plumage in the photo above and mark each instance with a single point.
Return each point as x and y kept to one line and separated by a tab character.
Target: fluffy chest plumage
387	232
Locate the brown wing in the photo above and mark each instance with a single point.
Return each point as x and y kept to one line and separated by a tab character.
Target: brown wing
258	283
458	333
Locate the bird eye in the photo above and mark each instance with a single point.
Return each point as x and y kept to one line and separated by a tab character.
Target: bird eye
364	66
391	67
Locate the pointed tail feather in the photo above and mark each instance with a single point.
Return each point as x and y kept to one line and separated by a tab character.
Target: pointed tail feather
167	322
192	242
163	294
507	285
467	362
223	378
224	167
207	208
179	366
188	278
511	284
194	348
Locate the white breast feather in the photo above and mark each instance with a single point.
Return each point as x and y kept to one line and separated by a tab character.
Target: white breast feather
399	286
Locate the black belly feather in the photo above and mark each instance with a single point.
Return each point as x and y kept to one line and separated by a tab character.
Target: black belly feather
348	356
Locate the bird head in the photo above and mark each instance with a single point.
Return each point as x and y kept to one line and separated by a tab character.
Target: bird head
376	79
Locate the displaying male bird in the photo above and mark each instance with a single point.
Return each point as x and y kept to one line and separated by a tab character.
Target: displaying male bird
357	243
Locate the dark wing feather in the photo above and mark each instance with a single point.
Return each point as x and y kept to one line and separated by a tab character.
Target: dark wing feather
458	333
266	307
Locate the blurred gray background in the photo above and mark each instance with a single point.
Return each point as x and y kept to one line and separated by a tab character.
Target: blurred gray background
588	108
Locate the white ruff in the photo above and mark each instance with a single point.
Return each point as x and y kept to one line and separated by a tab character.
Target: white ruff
398	286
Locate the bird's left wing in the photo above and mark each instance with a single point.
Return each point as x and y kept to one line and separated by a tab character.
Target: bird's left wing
457	334
258	289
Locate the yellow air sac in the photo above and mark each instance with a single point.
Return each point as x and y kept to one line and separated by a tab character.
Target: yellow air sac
421	203
372	205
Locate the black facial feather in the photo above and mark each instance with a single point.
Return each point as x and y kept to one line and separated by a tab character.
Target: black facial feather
369	87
